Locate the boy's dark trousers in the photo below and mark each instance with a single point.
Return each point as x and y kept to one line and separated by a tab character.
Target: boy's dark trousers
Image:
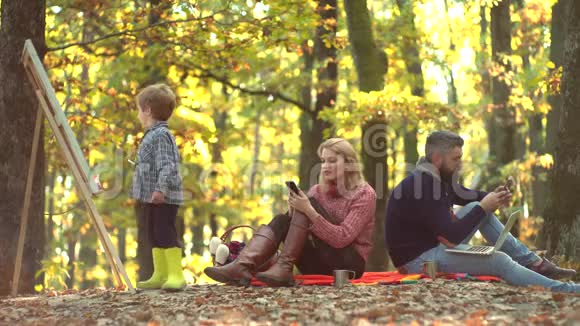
159	222
318	257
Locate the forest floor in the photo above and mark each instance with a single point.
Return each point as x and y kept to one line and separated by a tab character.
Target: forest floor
439	302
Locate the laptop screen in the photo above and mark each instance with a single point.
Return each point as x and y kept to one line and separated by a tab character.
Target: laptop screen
510	223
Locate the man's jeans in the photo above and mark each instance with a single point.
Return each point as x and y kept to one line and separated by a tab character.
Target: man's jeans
508	263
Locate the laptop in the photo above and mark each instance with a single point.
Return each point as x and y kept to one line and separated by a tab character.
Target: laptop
487	250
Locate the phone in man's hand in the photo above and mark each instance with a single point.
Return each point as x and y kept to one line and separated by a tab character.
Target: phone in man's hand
292	186
509	182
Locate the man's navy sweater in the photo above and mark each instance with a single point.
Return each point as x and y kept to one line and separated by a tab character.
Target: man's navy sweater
420	214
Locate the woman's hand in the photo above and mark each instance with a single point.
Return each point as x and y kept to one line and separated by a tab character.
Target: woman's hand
301	203
290	208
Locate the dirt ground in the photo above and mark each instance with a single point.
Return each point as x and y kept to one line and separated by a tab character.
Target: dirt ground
438	302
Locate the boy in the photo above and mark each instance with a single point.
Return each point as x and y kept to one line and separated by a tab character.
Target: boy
157	186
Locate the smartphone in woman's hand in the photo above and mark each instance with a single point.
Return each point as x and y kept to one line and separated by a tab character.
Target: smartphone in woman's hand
292	186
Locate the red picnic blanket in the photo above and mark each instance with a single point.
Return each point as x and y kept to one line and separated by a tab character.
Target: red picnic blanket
374	278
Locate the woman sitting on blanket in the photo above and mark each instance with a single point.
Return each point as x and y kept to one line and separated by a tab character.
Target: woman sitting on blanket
329	229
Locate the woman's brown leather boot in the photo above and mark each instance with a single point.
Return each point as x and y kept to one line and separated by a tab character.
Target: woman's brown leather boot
258	251
281	273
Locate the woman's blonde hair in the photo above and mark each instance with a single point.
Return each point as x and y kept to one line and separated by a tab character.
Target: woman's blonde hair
353	171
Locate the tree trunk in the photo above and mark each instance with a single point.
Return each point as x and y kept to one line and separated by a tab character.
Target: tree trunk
452	97
311	126
18	108
375	170
412	60
88	252
539	184
197	233
371	67
326	57
558	34
537	146
501	126
370	61
562	216
213	224
122	242
72	259
308	145
279	203
311	136
256	156
482	57
49	220
505	142
392	143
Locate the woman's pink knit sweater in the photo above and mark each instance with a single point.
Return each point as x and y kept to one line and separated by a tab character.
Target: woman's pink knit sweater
356	213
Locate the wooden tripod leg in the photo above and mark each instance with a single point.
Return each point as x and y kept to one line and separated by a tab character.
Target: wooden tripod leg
26	207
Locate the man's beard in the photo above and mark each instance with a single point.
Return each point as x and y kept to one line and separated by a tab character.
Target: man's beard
446	175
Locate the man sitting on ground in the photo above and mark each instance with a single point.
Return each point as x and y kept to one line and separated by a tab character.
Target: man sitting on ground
420	223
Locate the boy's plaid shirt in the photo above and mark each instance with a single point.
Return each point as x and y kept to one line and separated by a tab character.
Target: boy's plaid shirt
157	166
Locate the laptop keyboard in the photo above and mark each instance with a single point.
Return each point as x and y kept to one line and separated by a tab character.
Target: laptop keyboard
478	249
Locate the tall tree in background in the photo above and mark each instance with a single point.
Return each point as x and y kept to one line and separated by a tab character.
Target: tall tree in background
558	38
21	20
410	49
538	142
308	157
482	56
311	125
452	97
501	127
558	35
562	216
505	143
371	67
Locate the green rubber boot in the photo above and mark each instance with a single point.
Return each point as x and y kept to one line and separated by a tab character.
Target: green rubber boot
175	279
159	276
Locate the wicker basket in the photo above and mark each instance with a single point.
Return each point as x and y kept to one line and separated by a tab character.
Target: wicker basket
226	238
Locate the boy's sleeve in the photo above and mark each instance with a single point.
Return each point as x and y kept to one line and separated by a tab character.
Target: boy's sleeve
165	162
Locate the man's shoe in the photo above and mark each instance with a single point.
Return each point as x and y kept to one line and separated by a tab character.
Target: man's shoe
550	270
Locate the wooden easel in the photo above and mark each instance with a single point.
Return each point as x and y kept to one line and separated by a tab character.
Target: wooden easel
86	186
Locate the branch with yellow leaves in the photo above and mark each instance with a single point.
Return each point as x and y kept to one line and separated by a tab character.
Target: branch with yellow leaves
276	95
132	31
